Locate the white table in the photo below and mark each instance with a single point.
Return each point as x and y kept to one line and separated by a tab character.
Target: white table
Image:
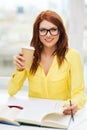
5	99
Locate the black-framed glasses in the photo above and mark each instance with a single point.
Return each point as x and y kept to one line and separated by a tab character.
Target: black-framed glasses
52	31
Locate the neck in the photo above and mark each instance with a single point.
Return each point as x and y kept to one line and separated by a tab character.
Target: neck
48	51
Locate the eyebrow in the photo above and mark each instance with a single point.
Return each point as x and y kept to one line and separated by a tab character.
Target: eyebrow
48	28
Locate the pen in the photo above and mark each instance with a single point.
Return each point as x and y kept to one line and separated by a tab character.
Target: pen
72	116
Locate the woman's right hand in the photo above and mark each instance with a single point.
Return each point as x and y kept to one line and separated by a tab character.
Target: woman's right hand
19	61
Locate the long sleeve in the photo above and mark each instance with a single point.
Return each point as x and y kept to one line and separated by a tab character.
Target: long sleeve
77	80
16	82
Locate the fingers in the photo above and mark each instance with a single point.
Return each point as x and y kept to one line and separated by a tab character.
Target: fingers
74	108
19	61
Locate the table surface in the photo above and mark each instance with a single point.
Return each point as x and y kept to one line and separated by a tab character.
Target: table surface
4	98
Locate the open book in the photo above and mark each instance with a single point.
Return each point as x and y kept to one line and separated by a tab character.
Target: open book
44	113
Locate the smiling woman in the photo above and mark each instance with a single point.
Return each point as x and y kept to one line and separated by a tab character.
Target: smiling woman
56	69
14	35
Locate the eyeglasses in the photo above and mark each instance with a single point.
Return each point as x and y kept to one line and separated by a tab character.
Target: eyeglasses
52	31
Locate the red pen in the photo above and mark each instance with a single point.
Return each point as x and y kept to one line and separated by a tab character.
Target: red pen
15	106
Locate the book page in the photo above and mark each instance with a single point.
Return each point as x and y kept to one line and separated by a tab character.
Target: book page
37	109
8	113
58	120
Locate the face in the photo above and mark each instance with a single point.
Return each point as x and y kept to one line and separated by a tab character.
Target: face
48	34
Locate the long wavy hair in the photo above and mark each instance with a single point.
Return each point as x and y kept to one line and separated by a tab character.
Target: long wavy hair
62	43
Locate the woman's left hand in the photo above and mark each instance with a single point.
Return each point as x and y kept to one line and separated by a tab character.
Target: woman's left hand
68	109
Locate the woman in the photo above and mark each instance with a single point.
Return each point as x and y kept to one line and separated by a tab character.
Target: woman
56	71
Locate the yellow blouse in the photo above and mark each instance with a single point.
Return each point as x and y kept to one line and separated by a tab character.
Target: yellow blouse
60	83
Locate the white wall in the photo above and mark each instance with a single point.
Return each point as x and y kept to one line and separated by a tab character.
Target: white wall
76	24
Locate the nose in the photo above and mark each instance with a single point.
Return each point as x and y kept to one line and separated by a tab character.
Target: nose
48	33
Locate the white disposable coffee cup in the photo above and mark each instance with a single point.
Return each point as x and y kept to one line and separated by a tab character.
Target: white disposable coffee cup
28	52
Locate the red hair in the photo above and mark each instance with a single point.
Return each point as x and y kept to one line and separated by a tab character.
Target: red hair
62	43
